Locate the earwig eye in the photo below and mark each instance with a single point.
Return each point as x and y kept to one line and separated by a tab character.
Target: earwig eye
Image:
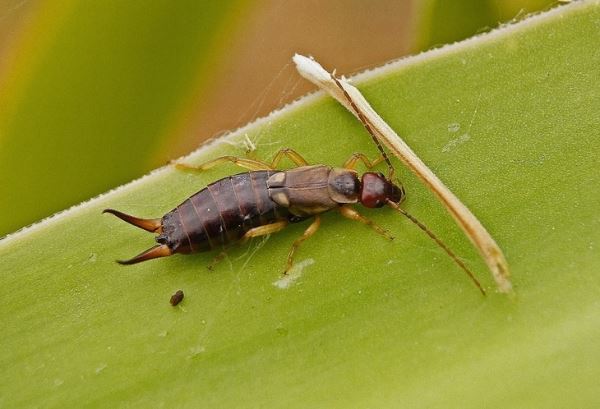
395	193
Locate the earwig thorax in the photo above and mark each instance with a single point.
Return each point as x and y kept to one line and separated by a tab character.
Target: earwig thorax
343	185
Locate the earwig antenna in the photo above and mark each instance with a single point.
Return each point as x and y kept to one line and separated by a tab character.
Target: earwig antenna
367	125
438	241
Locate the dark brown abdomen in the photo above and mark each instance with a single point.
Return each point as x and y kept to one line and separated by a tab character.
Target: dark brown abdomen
221	213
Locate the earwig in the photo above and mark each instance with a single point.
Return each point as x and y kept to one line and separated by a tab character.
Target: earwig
265	200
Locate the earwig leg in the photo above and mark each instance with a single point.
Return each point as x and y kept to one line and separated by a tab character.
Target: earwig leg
215	260
250	164
352	214
352	160
247	163
264	230
291	155
314	226
160	250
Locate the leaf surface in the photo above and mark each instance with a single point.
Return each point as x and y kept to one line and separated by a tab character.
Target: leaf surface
509	120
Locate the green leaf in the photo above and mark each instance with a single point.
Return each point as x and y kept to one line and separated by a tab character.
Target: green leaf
508	120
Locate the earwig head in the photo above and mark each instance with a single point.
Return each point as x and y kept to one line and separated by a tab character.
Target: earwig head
376	190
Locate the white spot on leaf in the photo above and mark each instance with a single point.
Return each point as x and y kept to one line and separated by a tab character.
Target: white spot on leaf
294	274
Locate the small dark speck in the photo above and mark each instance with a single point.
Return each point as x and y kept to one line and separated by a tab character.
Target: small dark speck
176	298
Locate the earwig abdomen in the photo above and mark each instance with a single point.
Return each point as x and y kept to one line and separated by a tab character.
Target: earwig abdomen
220	214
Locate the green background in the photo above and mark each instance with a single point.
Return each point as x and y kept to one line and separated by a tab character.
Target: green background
509	121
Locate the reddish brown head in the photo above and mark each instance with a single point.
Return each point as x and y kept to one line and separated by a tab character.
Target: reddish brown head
376	190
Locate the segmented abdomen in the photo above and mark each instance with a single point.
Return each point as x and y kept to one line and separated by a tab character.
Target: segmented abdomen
221	213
